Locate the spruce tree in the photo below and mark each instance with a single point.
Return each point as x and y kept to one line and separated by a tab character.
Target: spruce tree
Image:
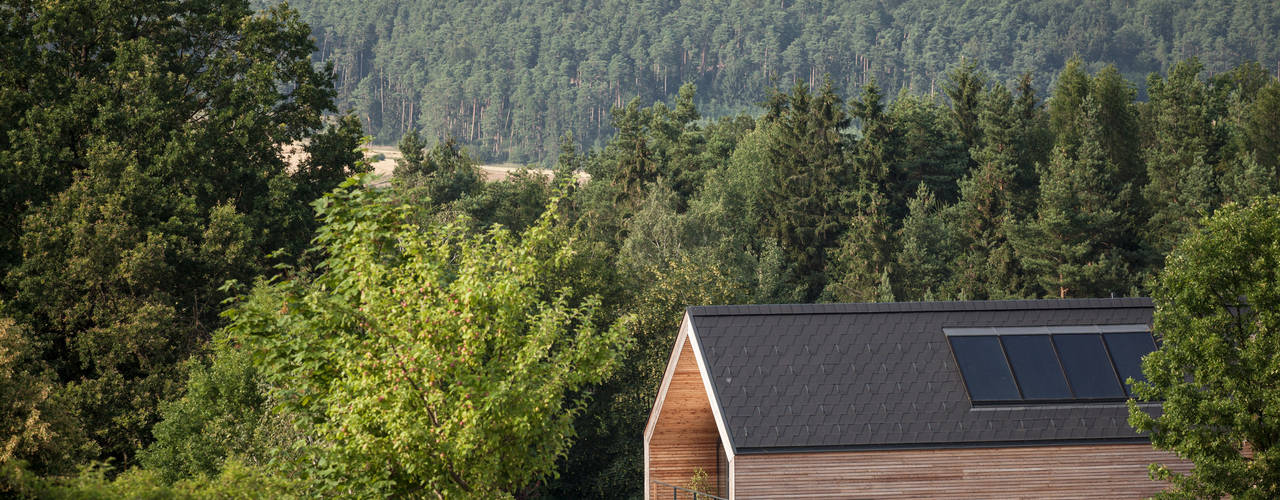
932	152
411	155
927	244
964	88
1070	90
1180	188
633	165
989	207
1116	121
807	153
858	269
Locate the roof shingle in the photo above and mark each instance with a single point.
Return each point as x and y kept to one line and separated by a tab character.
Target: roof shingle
833	376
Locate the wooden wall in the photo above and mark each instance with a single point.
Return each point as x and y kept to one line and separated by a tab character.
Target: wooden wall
1085	471
685	436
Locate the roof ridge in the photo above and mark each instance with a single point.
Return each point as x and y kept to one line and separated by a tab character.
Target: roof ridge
917	307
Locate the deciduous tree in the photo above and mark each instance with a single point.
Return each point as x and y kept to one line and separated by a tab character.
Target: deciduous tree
426	360
1215	371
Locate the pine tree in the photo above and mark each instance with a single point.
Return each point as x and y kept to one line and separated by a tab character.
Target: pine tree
1069	247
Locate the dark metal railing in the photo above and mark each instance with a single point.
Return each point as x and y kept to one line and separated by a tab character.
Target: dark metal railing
679	492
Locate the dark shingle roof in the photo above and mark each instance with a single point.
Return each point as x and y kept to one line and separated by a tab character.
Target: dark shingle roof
837	376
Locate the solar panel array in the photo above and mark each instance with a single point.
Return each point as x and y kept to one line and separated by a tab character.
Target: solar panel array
1040	365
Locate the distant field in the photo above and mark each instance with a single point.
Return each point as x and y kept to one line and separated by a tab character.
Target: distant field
492	172
387	165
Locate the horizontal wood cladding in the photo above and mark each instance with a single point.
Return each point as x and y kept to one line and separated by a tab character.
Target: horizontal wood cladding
1085	471
685	436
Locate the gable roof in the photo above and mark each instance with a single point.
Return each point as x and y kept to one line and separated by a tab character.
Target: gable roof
874	376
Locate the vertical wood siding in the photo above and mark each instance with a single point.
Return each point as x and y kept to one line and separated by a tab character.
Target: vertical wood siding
1084	471
685	436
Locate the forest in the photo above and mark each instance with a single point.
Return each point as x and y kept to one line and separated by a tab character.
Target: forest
185	315
509	78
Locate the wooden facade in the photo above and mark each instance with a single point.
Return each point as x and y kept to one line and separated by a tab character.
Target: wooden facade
1041	472
682	435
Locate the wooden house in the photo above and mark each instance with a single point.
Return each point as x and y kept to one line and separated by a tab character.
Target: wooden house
970	399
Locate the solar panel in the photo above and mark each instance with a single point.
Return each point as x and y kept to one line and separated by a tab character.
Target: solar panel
1127	350
1050	364
1036	367
983	366
1087	367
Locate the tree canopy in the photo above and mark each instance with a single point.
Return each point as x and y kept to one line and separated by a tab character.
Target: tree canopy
427	359
141	165
1218	322
954	152
508	78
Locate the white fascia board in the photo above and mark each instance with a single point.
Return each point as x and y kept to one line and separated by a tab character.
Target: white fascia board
685	327
705	370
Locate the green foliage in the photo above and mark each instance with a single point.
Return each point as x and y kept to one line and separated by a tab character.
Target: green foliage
438	176
927	246
700	481
224	413
412	157
426	359
932	153
859	267
1219	356
35	423
141	167
236	481
508	79
1069	244
1180	186
806	198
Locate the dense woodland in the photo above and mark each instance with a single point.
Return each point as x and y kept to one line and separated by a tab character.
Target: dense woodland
178	303
508	78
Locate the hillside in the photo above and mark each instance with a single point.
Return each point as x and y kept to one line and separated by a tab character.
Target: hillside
508	78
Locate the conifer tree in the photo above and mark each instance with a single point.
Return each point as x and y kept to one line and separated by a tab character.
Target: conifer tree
989	207
1035	139
927	244
875	152
1116	120
859	268
1068	247
964	88
631	156
1180	174
411	155
1070	90
932	152
807	154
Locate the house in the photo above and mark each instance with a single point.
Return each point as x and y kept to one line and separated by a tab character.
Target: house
970	399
